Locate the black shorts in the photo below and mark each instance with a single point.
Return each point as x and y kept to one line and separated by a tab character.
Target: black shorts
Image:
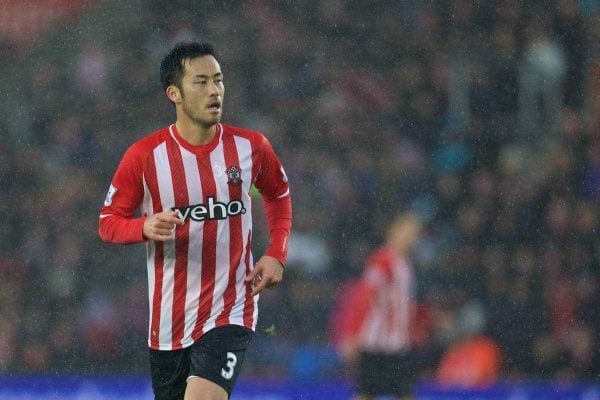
383	374
218	356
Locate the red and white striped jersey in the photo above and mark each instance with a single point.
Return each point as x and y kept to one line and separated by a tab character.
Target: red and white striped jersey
388	283
196	281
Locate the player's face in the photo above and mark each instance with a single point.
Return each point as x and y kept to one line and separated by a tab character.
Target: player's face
202	90
405	234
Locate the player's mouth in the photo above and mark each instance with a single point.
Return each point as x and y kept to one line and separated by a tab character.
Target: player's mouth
214	106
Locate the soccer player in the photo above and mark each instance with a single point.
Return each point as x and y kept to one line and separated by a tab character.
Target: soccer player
192	181
381	315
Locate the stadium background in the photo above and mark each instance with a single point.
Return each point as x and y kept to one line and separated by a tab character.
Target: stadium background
482	116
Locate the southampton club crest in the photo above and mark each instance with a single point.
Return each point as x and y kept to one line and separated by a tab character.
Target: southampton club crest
234	173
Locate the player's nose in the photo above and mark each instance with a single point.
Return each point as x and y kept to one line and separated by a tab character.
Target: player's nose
213	89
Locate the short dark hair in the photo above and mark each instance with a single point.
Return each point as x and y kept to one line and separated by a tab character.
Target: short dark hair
172	67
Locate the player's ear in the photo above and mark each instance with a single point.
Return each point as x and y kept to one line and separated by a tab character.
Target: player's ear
174	94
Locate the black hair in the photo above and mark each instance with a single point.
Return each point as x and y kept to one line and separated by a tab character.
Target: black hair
172	67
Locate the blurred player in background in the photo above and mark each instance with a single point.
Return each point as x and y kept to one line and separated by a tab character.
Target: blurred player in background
192	180
379	315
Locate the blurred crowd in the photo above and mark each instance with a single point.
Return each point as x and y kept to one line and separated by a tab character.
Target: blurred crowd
483	117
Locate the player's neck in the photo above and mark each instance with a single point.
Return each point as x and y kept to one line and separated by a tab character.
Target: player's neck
193	133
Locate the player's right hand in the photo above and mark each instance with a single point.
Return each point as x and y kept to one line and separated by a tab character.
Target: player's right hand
161	227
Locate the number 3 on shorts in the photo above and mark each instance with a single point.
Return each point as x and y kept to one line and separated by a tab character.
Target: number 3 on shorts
227	372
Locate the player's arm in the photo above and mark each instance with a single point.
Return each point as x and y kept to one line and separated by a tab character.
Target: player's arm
117	221
272	184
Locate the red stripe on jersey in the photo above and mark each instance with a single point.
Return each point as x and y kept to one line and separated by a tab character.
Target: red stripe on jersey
152	183
249	302
209	249
235	232
181	198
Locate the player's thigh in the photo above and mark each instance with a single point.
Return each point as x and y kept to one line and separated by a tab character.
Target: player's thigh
218	356
203	389
169	371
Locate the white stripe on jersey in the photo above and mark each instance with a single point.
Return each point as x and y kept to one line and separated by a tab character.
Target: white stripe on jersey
373	329
194	269
167	198
402	299
147	209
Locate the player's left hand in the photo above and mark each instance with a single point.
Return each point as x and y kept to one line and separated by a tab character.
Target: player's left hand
267	273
